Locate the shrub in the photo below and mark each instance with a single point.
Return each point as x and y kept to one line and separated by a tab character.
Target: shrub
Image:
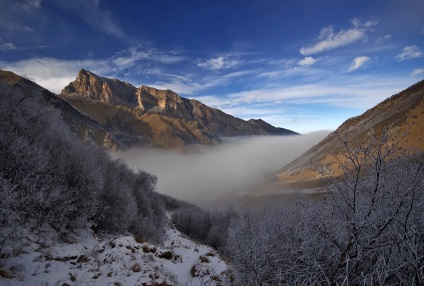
367	230
48	177
210	227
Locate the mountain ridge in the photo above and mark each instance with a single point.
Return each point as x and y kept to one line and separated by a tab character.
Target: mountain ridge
402	113
80	124
173	121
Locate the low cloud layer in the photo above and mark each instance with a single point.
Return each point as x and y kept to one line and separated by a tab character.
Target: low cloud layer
204	174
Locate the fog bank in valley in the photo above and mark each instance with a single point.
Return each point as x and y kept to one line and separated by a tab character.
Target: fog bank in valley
202	174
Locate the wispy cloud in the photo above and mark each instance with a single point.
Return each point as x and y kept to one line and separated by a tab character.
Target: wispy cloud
187	85
357	22
293	105
417	72
54	74
307	61
302	68
133	55
409	52
328	39
17	17
6	46
219	63
383	39
344	91
91	12
32	4
357	63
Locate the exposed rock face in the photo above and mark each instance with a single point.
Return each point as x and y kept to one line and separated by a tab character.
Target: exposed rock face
403	112
83	126
161	116
93	87
156	129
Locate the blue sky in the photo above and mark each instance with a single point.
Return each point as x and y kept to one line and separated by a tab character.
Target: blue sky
305	65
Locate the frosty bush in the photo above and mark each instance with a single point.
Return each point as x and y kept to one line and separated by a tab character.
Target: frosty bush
49	177
210	227
368	229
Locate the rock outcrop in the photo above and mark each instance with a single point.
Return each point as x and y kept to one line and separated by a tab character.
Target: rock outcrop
160	116
83	126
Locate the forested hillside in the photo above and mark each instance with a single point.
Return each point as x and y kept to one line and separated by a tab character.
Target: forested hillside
49	178
368	229
71	214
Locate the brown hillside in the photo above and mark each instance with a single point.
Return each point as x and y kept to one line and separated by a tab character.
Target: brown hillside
83	126
159	130
403	112
161	116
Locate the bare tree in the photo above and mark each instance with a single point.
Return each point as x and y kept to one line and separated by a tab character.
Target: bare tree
367	230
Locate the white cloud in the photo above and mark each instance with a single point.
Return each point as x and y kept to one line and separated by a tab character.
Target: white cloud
332	41
54	74
32	4
188	86
384	38
410	52
132	56
7	46
295	71
91	12
371	22
358	22
219	63
308	61
417	72
363	92
357	63
328	39
290	100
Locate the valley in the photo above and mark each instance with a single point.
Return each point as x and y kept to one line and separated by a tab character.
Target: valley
163	180
211	143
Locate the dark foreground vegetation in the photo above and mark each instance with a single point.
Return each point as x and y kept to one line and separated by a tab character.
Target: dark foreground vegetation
50	179
367	230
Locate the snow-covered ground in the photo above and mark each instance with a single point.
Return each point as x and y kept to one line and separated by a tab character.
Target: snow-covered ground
89	260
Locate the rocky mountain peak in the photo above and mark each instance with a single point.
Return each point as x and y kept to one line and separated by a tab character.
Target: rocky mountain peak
159	115
96	88
162	101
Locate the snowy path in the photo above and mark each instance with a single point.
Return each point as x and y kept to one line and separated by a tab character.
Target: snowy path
119	261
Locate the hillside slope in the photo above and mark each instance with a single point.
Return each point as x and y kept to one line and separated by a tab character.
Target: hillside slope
88	259
403	112
83	126
162	116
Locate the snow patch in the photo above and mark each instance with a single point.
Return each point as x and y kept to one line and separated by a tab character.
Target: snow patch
90	260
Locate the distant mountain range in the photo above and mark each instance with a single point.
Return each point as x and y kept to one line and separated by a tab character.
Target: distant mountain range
158	117
116	115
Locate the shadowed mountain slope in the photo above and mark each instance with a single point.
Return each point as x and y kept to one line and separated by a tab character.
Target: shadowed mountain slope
12	85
